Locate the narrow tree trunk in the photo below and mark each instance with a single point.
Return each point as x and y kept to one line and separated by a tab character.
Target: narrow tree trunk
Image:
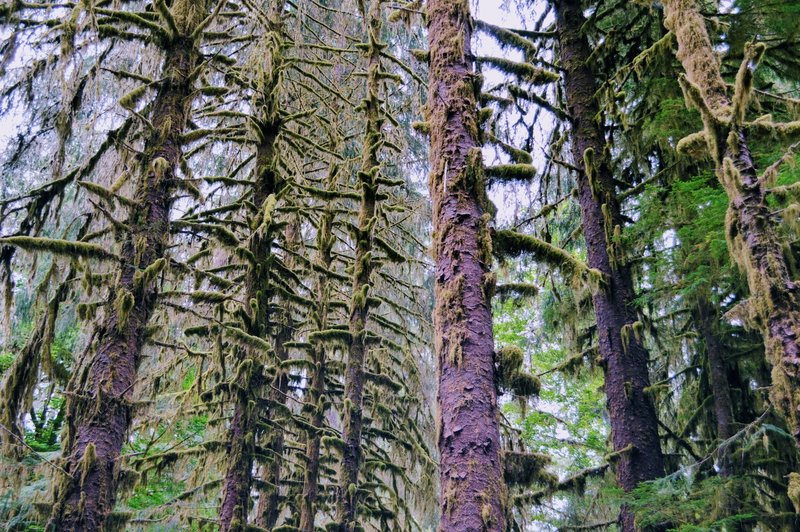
347	497
472	489
319	316
98	400
634	426
239	467
268	509
706	321
755	245
238	479
241	433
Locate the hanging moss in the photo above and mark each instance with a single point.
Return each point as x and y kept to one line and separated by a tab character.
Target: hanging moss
525	469
331	336
107	194
694	145
525	71
522	291
123	304
793	491
512	244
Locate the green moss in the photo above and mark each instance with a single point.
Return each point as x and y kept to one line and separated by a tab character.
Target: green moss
123	304
525	71
511	172
67	248
524	469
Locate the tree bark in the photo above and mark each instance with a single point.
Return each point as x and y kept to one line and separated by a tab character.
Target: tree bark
634	425
244	425
268	509
347	496
472	489
753	239
99	394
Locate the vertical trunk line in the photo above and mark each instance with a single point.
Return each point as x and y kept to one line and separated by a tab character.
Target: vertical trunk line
473	493
98	402
317	392
347	496
268	509
241	446
634	425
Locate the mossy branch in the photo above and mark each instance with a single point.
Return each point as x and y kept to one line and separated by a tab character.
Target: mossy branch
68	248
509	243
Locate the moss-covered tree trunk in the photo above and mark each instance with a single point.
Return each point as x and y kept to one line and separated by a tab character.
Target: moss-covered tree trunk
268	509
774	303
634	426
99	394
316	396
472	488
347	496
242	431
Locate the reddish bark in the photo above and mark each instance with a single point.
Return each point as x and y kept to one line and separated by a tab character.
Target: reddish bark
755	245
98	404
634	426
472	487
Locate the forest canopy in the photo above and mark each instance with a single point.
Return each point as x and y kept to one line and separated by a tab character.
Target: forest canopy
299	265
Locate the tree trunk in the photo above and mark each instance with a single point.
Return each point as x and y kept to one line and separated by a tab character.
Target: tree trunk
268	509
238	479
706	321
98	400
317	386
472	488
753	239
241	433
347	497
634	426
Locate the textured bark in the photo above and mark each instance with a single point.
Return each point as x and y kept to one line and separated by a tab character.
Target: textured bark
242	430
753	239
473	491
352	422
634	426
98	404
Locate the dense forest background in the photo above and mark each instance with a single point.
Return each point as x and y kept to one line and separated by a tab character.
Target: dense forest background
400	265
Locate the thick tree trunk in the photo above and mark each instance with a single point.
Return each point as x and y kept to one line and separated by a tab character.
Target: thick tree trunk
347	497
634	426
472	489
755	245
98	404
